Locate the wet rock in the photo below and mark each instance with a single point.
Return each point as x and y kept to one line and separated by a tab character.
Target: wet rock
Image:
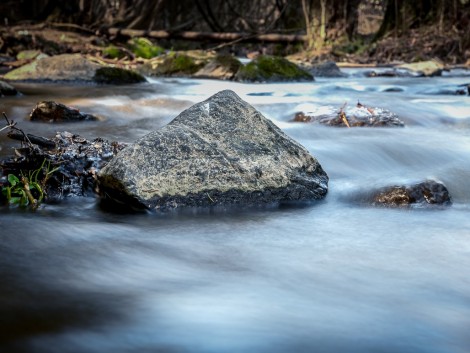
52	112
223	67
327	69
7	90
72	160
425	68
117	76
358	116
66	67
428	192
218	152
464	90
267	68
389	73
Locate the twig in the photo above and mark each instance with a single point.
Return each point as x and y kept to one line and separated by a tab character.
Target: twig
27	190
12	125
342	115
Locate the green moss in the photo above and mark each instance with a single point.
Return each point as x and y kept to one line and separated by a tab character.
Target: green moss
113	52
116	76
178	64
144	48
229	61
22	73
28	54
272	68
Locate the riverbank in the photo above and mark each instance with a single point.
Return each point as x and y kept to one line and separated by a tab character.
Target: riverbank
450	47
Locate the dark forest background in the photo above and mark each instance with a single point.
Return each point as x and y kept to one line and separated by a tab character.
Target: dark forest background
442	23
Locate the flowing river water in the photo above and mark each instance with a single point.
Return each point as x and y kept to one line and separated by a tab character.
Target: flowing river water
337	275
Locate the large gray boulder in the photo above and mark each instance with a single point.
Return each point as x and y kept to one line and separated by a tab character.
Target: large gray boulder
220	151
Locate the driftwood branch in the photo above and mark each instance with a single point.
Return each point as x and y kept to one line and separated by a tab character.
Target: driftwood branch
213	36
37	140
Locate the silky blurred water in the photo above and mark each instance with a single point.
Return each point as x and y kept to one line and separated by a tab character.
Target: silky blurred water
331	276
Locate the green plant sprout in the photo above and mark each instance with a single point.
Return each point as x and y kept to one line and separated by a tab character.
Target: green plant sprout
27	190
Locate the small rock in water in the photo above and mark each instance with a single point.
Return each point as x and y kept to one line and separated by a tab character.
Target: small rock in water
327	69
428	192
221	151
358	116
425	68
52	112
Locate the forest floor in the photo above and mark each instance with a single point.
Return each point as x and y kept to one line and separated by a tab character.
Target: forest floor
451	47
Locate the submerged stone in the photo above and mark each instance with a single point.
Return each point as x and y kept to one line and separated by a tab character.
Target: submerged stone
266	68
218	152
357	116
428	192
52	112
327	69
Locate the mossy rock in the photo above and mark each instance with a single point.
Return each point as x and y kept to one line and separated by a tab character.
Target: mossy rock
272	68
65	67
28	54
24	72
178	65
222	67
117	76
144	48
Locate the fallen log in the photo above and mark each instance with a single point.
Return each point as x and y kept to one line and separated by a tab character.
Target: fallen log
211	36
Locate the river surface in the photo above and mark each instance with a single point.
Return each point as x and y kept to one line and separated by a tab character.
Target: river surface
333	276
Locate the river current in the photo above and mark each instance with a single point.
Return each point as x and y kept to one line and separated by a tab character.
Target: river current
333	276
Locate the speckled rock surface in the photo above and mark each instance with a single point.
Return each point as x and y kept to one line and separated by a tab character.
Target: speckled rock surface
220	151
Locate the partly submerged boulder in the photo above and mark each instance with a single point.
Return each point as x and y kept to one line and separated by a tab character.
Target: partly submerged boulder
52	112
117	76
220	151
267	68
72	67
357	116
424	68
428	192
66	67
327	69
